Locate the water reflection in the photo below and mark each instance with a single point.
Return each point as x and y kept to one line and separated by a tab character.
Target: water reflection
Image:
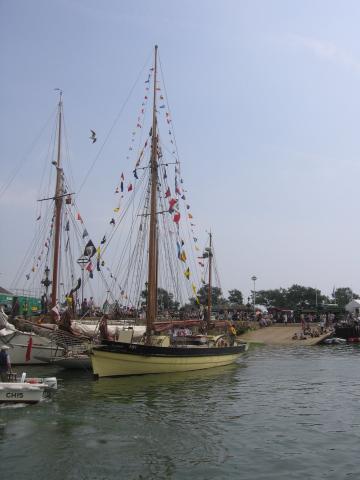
127	388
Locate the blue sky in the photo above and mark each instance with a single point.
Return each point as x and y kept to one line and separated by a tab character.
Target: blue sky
265	102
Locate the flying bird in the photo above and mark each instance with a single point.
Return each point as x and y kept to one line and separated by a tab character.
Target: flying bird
93	136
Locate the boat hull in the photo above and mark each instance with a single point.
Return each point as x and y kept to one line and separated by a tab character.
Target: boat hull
21	393
120	359
81	362
43	349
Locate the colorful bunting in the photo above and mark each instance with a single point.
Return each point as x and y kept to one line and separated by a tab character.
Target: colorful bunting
90	249
89	267
172	203
183	256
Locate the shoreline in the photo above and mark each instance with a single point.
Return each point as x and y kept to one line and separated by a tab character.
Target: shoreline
280	335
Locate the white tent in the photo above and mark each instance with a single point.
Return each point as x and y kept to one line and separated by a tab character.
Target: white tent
353	306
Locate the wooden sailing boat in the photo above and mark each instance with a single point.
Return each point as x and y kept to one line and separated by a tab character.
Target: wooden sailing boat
157	354
36	345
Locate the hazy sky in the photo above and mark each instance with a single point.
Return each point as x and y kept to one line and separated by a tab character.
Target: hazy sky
265	98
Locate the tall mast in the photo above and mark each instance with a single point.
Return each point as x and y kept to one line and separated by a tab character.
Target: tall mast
152	274
210	280
58	206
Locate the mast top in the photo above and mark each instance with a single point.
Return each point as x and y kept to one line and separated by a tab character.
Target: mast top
60	94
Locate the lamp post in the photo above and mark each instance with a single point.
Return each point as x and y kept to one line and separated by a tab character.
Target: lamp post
254	278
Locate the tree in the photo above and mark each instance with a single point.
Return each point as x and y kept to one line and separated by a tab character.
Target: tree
165	299
344	295
298	296
235	296
271	298
216	295
294	297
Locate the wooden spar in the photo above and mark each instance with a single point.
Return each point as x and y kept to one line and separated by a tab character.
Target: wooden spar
152	273
58	206
210	280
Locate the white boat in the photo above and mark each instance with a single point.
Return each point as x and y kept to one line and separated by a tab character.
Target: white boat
26	347
70	361
27	390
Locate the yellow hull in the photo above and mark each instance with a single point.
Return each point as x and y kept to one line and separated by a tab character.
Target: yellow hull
108	364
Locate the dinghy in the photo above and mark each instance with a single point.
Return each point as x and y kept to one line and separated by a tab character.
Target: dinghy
26	390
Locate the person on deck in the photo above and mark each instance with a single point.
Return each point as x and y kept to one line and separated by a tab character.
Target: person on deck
91	306
15	308
84	307
5	364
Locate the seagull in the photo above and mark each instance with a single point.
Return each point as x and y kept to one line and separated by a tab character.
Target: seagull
93	136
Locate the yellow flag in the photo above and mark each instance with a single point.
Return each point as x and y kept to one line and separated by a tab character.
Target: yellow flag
117	209
183	256
187	273
194	288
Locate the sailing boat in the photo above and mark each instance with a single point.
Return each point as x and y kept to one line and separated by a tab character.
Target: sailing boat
157	353
38	345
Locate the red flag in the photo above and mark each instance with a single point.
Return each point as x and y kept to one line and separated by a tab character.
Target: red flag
172	202
167	193
130	187
89	267
176	217
78	217
28	350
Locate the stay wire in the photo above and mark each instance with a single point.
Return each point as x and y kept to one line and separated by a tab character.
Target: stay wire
113	125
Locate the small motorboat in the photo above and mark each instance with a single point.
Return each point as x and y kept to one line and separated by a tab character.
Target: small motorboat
26	390
334	341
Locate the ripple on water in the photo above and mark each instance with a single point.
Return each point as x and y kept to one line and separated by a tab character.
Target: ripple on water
281	413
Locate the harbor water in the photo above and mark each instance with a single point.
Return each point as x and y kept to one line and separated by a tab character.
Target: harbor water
280	413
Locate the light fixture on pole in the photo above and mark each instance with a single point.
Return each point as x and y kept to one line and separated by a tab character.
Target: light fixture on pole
254	278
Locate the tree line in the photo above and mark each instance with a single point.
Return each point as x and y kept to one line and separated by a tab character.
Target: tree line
294	297
298	296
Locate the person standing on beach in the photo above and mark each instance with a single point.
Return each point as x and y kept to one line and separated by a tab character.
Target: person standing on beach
5	364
